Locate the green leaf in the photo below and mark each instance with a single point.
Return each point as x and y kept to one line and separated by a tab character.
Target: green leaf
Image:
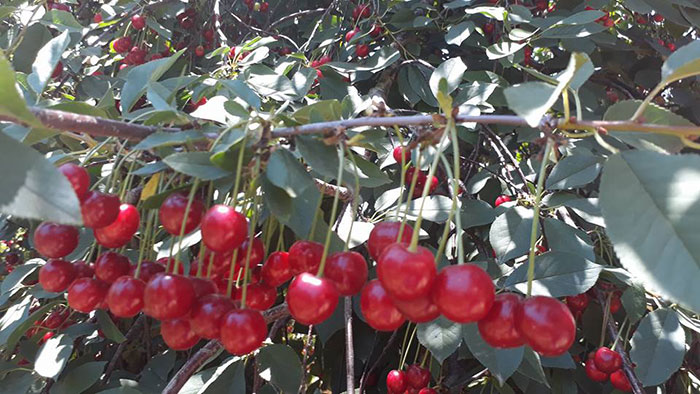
323	110
12	103
46	60
162	138
510	233
225	378
502	49
379	60
195	164
271	84
53	356
452	71
634	301
108	327
574	171
476	213
14	280
532	367
16	321
557	274
456	34
441	336
658	347
564	238
79	379
500	362
681	64
280	365
286	172
6	11
62	21
651	210
138	78
564	361
240	89
435	209
34	188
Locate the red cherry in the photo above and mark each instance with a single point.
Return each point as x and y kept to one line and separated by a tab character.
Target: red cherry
488	28
58	70
208	35
376	31
377	308
619	381
324	59
417	376
401	154
148	270
55	240
466	282
55	319
256	255
641	20
138	22
276	269
498	327
110	266
83	270
541	5
243	331
546	324
593	373
427	390
122	44
178	334
348	271
199	51
87	294
349	35
404	274
97	18
362	50
78	178
56	275
168	297
99	209
125	296
121	230
207	314
363	10
384	234
311	300
420	310
172	214
260	296
305	256
615	303
396	381
203	287
658	18
223	229
607	360
578	302
420	177
264	6
501	199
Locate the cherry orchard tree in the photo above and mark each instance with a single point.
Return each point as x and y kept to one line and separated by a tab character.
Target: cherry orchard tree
349	196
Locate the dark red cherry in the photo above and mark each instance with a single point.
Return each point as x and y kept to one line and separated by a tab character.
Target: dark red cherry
99	209
55	240
56	275
498	327
619	381
501	199
348	271
260	296
276	269
311	299
243	331
256	255
203	287
404	274
384	234
148	270
168	296
593	373
207	314
578	302
178	334
172	214
420	310
607	360
378	310
546	324
305	256
125	296
396	381
417	376
138	22
78	177
87	294
615	303
110	266
83	270
121	230
223	229
55	319
464	293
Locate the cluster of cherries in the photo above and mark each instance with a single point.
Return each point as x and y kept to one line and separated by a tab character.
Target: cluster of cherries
414	380
401	155
604	364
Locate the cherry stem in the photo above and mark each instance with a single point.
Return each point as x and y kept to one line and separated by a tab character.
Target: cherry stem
425	357
109	184
606	313
239	175
190	198
453	209
408	347
312	230
144	241
251	232
536	215
355	199
403	343
202	247
402	166
619	334
452	127
334	210
409	196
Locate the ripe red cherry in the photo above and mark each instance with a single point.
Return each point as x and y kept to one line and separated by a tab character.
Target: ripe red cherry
122	44
87	294
546	324
243	331
260	296
55	240
658	18
203	287
384	234
498	327
467	282
349	35
417	376
362	11
199	51
404	274
420	310
376	31
378	310
99	209
305	256
148	270
607	360
223	229
541	5
178	334
593	373
501	199
56	275
125	296
97	18
348	271
172	214
83	270
110	266
138	22
264	6
427	390
256	255
121	230
396	381
208	35
168	297
78	178
488	28
401	154
311	300
578	302
207	314
276	269
55	319
615	303
362	50
58	70
619	381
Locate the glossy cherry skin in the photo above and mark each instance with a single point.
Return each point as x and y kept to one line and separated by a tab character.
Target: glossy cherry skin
203	287
99	209
311	299
417	376
384	234
396	381
207	314
305	256
546	324
578	302
78	177
464	293
110	266
257	254
56	275
148	270
501	199
498	327
378	310
427	390
83	270
362	50
125	296
55	240
619	381
172	214
420	310
401	154
178	334
87	294
406	275
121	230
243	331
593	373
168	297
276	269
223	229
260	296
607	360
348	271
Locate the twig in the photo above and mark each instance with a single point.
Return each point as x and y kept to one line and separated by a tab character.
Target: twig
389	343
329	189
493	136
305	350
130	335
349	349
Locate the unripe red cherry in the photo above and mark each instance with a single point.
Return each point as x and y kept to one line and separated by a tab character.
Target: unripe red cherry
420	310
467	282
110	266
223	229
172	213
121	230
207	315
99	209
311	299
405	274
243	331
276	269
305	256
78	178
349	35
546	324
377	308
501	199
348	271
593	373
384	234
56	275
178	334
87	294
619	380
125	296
362	50
138	22
607	360
55	240
498	327
168	297
396	381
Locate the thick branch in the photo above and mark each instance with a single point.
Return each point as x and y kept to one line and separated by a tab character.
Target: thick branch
328	189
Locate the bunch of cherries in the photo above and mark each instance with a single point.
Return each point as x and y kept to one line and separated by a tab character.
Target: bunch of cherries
414	380
604	364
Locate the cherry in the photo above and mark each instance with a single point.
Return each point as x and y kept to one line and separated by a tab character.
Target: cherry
87	294
125	296
256	255
396	381
55	240
99	209
305	256
376	32
122	44
199	51
56	275
55	319
362	50
203	287
658	18
384	234
276	269
148	270
78	178
349	35
223	229
138	22
593	373
168	296
401	154
121	230
417	376
641	20
377	308
243	331
207	314
420	177
427	390
260	296
463	282
498	327
420	310
406	275
57	71
488	28
311	300
619	381
178	334
607	360
264	6
615	303
362	11
83	269
97	18
541	5
348	271
172	214
110	266
578	302
501	199
546	324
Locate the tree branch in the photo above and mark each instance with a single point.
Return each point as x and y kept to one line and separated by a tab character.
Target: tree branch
130	335
349	349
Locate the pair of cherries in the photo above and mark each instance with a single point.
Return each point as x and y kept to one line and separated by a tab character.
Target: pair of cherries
415	379
402	155
604	364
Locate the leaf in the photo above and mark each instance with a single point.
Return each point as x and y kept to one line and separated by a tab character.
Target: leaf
162	138
476	213
14	279
441	336
500	362
53	356
683	63
658	347
46	60
510	233
574	171
239	89
564	238
634	301
12	103
651	207
564	361
80	378
379	60
195	164
456	34
532	367
280	365
150	168
16	321
137	80
452	70
108	327
557	274
435	209
225	378
502	49
286	172
35	189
